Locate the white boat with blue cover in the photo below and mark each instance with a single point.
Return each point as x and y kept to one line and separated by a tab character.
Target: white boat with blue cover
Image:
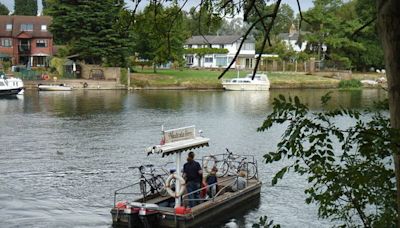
260	82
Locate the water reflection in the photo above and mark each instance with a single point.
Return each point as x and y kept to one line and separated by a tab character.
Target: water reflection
74	103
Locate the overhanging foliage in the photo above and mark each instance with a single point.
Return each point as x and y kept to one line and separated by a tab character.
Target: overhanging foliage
349	168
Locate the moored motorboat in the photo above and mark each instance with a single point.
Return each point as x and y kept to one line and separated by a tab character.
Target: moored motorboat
10	86
54	87
259	82
155	210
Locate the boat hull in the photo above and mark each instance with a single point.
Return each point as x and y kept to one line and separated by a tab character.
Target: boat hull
245	87
200	215
54	88
10	92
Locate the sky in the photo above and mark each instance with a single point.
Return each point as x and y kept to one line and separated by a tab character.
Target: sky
305	4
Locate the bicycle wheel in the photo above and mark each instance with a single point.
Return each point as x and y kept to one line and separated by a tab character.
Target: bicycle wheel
142	186
251	169
159	184
209	162
223	168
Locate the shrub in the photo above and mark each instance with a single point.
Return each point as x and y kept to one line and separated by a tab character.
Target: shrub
352	83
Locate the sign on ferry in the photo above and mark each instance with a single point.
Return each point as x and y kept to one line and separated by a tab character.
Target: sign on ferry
179	134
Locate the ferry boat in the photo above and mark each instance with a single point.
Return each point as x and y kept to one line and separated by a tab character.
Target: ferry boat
155	210
259	83
10	86
51	87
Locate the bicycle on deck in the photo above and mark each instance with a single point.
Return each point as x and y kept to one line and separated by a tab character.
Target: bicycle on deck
231	164
148	178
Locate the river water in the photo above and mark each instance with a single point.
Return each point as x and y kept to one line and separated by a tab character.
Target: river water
63	154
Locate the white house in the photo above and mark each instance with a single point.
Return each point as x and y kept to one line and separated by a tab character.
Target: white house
291	39
231	43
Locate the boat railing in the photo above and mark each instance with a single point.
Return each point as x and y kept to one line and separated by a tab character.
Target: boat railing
121	191
226	183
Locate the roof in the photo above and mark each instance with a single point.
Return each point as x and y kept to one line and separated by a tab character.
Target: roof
16	21
215	39
178	140
178	146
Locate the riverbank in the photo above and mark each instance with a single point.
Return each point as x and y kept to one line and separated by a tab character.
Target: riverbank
205	79
208	79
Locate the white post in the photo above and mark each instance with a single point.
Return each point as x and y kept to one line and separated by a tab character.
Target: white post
178	172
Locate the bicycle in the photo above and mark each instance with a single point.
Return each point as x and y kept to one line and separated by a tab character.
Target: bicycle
155	181
231	165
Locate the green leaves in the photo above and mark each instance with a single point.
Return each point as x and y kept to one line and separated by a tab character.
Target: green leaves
349	169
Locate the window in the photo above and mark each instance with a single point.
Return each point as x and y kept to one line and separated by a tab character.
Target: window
189	59
43	28
221	46
41	43
208	59
248	46
8	27
189	46
221	61
26	27
6	42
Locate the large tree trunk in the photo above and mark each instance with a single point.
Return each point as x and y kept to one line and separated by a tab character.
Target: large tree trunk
389	32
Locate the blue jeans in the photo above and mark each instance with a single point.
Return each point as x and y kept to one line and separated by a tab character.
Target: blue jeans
193	198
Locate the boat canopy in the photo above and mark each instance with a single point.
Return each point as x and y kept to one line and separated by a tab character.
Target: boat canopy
178	140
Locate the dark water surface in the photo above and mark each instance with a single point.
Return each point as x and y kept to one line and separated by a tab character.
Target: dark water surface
63	154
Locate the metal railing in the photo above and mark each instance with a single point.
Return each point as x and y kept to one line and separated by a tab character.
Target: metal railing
118	191
227	183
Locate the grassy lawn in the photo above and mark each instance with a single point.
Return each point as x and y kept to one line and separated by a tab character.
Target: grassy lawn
209	79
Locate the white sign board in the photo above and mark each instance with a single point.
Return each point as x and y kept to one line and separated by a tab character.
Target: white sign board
179	134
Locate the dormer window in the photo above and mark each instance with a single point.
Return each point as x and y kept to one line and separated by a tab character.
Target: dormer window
27	27
43	28
8	27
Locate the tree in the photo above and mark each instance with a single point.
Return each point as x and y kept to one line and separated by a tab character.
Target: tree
159	34
3	9
389	32
93	29
25	7
203	21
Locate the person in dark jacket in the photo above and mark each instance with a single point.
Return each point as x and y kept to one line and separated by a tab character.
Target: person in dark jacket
194	175
212	179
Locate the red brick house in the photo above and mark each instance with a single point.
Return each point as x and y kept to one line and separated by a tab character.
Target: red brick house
26	40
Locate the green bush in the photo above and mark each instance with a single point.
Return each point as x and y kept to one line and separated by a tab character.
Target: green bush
352	83
124	76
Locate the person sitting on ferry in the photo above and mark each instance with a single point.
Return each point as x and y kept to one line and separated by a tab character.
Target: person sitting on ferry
193	174
240	182
211	181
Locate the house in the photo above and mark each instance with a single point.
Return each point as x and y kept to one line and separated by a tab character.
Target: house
291	39
25	40
222	58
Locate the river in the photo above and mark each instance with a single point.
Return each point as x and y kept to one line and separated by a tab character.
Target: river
63	154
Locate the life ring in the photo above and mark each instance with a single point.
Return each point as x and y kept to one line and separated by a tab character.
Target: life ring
208	159
85	85
168	183
45	77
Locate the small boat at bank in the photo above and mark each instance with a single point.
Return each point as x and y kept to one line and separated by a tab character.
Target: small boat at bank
11	86
259	83
51	87
155	210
